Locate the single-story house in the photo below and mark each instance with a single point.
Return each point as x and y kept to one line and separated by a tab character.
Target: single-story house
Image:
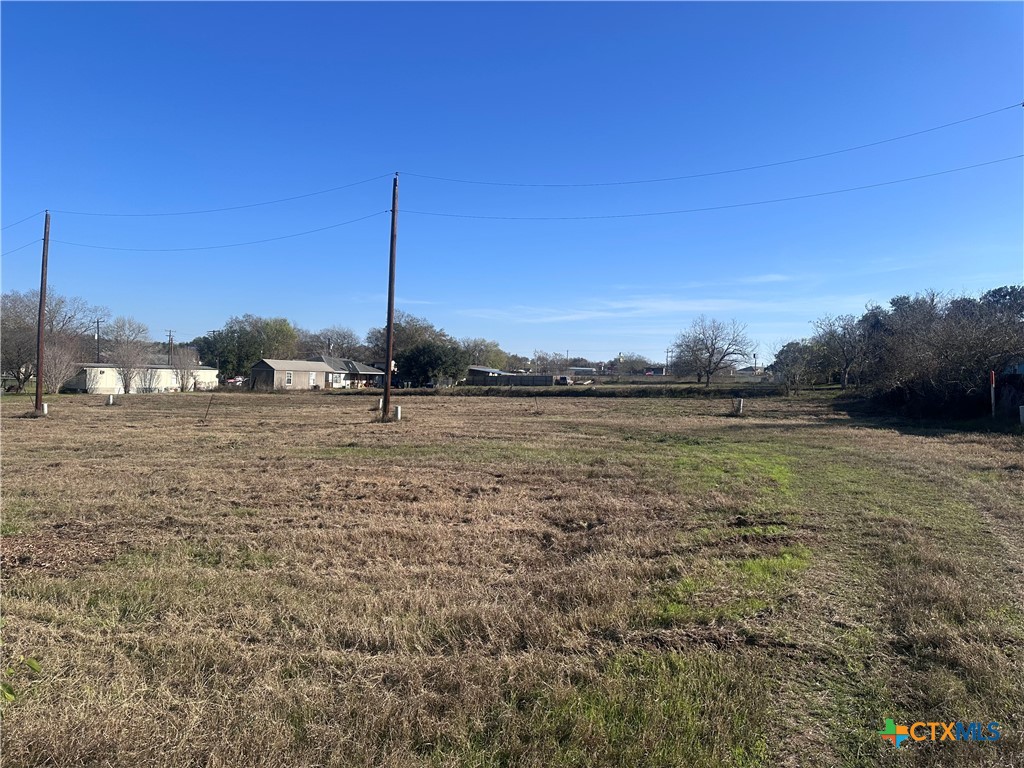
103	379
348	374
291	374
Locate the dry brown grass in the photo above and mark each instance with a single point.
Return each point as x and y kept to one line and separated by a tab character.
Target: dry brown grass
503	582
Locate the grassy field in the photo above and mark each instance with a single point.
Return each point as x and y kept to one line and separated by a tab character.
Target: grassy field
505	582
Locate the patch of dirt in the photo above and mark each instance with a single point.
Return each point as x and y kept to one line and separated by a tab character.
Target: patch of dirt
63	548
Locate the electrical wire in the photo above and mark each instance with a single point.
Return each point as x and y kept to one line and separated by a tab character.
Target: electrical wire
716	207
214	247
19	221
719	173
228	208
20	247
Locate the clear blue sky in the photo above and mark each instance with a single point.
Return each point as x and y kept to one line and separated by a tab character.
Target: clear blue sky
149	108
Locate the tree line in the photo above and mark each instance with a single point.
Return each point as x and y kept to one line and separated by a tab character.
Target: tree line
925	354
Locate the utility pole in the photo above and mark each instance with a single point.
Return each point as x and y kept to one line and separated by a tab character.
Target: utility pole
170	342
42	319
97	339
390	341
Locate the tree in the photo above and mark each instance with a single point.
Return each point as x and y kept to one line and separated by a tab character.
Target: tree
432	360
633	364
334	341
517	363
410	331
243	341
129	345
62	359
842	338
184	362
18	321
794	364
66	330
712	345
486	353
548	362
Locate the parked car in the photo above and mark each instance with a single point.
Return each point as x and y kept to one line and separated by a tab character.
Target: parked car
236	381
564	380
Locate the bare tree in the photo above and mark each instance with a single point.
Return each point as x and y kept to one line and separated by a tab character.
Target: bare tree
129	341
548	362
18	337
184	362
64	355
334	341
712	345
842	338
632	364
68	322
148	378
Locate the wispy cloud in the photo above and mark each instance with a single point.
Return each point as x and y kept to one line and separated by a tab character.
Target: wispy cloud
660	306
769	278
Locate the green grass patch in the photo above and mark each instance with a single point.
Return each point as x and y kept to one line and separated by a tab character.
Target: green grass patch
700	709
763	470
730	590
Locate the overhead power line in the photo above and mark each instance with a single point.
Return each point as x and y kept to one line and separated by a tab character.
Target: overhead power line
723	172
227	245
20	247
19	221
717	207
227	208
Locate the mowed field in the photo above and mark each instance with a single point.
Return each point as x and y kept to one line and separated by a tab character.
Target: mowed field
505	582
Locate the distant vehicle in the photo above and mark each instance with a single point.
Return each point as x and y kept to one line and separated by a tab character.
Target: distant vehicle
236	381
563	380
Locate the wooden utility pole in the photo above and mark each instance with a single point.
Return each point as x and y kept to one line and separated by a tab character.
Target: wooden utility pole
97	339
385	414
170	343
42	319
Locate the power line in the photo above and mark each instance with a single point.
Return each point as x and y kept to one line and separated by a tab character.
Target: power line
228	208
20	247
720	173
214	247
717	207
19	221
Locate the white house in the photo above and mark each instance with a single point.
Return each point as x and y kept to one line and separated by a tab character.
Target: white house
103	379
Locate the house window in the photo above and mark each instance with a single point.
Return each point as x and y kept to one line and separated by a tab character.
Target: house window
287	378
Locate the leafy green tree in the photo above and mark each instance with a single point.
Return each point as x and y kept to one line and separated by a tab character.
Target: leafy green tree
432	360
484	352
410	331
245	340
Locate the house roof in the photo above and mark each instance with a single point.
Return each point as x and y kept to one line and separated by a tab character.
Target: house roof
296	365
488	371
348	366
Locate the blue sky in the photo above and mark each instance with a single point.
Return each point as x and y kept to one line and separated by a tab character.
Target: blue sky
137	108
